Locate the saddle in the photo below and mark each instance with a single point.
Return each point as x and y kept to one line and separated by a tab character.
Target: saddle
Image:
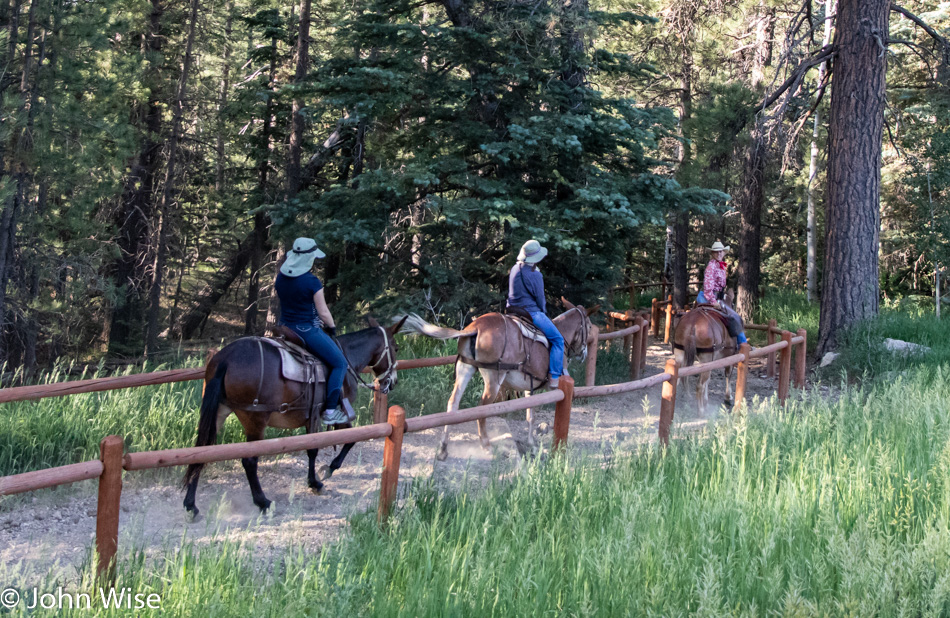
523	320
724	318
297	364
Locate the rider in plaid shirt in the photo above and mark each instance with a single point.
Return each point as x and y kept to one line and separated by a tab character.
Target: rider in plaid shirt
714	284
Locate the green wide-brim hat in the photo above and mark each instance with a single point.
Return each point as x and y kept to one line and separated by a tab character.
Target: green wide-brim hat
300	258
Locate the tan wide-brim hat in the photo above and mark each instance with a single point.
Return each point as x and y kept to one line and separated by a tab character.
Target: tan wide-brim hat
532	252
717	246
300	258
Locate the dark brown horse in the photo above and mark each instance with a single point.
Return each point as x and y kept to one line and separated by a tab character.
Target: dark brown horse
494	345
246	378
702	335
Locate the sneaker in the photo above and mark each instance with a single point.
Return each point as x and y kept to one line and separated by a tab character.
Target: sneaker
553	383
335	416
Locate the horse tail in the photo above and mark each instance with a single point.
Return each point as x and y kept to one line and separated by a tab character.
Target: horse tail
415	324
689	347
208	417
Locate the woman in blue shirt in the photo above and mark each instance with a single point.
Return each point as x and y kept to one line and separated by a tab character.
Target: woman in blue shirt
526	290
304	310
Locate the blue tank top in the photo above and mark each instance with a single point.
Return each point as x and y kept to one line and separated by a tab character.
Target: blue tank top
296	298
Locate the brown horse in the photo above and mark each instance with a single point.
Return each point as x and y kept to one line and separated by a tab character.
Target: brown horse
701	335
494	346
246	378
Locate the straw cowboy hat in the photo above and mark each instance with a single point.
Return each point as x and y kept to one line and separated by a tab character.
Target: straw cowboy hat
717	246
300	258
532	252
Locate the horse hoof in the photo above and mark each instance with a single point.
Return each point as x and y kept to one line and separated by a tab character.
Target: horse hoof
192	515
443	454
325	472
264	505
316	486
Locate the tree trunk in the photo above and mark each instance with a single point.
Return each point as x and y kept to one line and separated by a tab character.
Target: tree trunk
680	232
681	260
752	190
223	101
751	198
168	191
136	209
850	285
296	122
811	232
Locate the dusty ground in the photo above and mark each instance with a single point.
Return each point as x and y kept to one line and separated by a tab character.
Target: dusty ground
52	531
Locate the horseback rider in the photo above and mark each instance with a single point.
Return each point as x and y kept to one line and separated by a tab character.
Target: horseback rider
304	310
526	290
714	287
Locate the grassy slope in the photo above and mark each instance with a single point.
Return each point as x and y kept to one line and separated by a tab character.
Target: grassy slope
821	509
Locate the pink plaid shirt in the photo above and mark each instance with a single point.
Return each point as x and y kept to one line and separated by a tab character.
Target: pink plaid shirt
714	281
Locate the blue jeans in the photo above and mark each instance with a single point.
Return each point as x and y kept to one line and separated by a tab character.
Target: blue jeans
556	358
326	350
736	320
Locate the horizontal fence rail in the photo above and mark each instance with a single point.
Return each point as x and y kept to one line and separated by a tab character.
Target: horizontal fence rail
393	423
50	477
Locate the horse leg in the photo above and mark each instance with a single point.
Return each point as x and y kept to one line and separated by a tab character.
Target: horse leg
463	375
702	392
532	444
194	470
728	399
312	479
338	460
493	384
250	468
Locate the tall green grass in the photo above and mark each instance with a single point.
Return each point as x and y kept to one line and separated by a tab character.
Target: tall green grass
823	508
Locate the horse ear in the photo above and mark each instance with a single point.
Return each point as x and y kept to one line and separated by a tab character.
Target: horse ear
398	325
567	303
372	322
592	310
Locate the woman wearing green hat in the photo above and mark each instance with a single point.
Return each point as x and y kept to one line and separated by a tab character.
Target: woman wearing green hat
526	290
304	310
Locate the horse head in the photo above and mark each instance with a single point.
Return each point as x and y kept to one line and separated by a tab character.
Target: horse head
576	321
383	361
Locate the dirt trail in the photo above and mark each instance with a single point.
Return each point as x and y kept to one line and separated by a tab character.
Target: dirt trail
52	531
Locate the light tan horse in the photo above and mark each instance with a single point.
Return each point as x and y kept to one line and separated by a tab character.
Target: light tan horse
494	346
702	335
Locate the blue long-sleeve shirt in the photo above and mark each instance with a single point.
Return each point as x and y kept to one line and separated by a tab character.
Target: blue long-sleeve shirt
526	288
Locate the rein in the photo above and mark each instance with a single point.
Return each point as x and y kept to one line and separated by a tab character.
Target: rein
586	329
387	353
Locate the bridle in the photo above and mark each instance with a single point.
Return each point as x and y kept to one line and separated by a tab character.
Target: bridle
585	327
384	381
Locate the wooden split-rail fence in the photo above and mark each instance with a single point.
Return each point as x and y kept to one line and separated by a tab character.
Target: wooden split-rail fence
390	422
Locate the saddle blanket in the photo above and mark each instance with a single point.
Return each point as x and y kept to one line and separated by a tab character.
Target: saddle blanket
292	364
529	330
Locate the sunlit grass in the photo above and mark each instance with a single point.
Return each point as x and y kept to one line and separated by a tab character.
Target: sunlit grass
822	508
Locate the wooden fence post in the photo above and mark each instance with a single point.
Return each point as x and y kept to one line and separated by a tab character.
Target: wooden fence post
562	412
111	451
655	319
785	367
592	357
669	321
668	405
635	347
770	359
392	453
380	406
644	341
800	358
742	376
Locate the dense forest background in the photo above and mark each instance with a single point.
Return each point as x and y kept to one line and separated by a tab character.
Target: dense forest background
157	156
